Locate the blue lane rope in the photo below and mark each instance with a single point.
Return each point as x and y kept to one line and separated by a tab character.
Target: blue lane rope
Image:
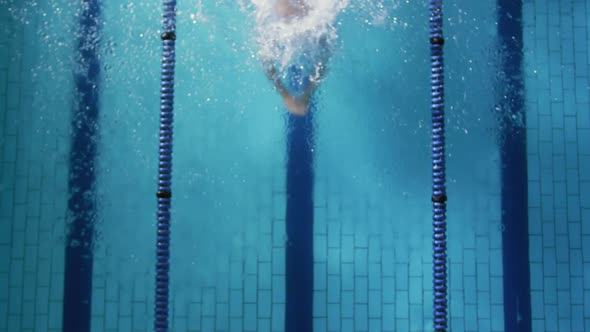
164	193
439	197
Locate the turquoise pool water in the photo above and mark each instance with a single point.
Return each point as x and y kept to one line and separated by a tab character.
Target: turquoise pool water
372	171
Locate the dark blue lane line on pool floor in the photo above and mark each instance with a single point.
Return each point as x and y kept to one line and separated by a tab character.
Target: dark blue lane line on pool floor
82	177
515	241
299	225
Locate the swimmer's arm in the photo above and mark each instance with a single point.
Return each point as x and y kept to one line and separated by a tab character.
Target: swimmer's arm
314	84
270	73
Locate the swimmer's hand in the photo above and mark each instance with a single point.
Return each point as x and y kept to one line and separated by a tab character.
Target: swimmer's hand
270	72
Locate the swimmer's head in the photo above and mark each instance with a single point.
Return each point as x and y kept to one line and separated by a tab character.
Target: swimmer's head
291	8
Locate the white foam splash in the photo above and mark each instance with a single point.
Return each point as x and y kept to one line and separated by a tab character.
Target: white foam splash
281	41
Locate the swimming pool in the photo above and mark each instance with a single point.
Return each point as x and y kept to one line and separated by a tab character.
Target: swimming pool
372	213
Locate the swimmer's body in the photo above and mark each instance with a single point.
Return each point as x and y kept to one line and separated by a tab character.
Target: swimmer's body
297	105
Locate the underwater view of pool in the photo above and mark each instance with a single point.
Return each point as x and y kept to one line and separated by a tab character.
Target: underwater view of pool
302	185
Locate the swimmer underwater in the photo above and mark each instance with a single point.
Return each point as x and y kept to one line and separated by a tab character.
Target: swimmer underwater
296	102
